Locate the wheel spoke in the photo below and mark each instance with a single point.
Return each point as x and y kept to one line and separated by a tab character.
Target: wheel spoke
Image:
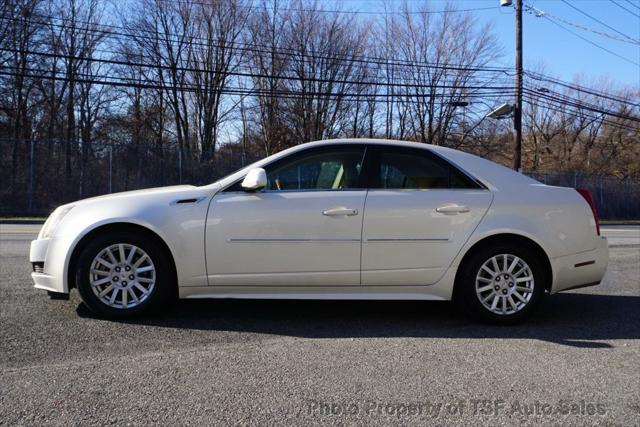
133	295
145	280
524	289
140	261
504	305
140	287
488	297
488	270
114	294
125	293
512	303
104	262
121	252
494	304
494	262
100	272
111	257
144	269
520	297
101	281
485	288
484	279
105	291
132	252
513	264
523	279
519	272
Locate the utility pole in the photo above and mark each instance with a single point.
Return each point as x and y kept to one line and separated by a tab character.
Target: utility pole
517	114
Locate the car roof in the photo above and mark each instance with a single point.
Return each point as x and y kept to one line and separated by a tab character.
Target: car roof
377	141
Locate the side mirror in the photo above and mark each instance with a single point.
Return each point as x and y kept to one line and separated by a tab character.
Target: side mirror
255	180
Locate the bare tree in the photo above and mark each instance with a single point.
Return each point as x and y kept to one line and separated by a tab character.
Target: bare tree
20	36
455	48
326	47
270	63
217	27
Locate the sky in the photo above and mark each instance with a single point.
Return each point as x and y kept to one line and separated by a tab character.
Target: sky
562	54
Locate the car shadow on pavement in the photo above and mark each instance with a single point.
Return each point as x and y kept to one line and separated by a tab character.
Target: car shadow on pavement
577	320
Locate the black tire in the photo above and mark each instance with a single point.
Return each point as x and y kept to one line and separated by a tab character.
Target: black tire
162	291
465	289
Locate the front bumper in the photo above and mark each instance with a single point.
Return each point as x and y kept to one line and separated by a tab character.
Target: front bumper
50	277
582	269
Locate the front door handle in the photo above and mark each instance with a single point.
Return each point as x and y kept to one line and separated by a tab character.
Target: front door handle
452	209
340	211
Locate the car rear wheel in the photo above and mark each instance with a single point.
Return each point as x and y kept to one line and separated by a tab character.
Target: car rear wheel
121	275
502	284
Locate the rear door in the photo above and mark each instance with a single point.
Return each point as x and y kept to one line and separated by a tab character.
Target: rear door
419	212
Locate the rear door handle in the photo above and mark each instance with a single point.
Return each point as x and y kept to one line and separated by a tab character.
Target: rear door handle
340	211
452	209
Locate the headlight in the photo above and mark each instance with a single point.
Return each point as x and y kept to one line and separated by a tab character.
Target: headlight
52	222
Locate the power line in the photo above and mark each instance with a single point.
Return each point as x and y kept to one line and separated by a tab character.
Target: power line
562	109
254	75
295	95
155	66
538	13
581	105
368	59
578	88
622	7
443	85
199	41
598	21
633	4
258	75
593	43
335	11
578	102
140	84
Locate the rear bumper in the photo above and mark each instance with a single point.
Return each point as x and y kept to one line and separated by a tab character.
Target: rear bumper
582	269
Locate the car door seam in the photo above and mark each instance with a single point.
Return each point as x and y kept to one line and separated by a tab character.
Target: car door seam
364	212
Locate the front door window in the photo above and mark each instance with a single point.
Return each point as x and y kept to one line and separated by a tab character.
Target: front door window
333	169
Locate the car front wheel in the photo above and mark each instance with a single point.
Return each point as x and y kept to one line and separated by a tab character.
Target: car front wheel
501	285
121	275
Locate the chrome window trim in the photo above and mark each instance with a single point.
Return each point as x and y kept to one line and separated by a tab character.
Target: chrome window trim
366	146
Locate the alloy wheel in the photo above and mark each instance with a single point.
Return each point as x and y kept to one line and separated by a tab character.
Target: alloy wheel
122	276
504	284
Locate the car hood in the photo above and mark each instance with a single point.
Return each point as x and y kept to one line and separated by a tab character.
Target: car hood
153	207
174	190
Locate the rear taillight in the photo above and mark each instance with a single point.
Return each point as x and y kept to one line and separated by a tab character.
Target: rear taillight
587	196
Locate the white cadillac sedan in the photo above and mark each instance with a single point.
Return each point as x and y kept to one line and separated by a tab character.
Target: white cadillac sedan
338	219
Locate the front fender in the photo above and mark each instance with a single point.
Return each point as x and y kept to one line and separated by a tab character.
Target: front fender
180	226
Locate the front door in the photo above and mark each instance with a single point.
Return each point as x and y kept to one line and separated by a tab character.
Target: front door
419	212
304	228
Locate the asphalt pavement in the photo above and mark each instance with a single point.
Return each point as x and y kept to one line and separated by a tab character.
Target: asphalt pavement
272	362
